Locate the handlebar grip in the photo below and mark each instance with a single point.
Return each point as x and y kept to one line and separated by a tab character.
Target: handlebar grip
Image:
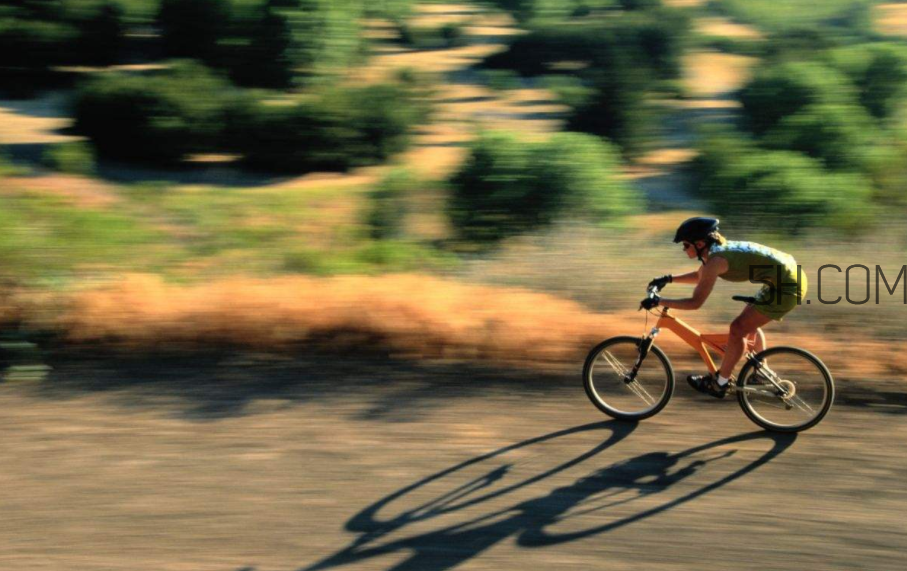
744	298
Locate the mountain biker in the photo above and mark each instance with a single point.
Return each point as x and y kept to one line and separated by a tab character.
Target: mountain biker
783	288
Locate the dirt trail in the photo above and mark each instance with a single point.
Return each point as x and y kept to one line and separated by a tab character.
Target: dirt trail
245	462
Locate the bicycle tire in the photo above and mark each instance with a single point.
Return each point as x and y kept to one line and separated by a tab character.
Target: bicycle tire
594	389
773	353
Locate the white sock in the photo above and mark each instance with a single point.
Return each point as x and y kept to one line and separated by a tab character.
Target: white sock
722	381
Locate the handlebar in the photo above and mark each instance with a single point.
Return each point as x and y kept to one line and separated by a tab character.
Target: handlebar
652	291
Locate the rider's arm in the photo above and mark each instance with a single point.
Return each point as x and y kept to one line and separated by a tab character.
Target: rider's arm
690	278
707	275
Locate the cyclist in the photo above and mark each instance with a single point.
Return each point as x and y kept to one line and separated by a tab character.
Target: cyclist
784	287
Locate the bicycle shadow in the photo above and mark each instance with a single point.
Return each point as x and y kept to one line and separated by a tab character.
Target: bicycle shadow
530	522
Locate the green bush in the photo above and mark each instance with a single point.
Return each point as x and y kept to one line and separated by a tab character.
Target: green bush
626	58
334	130
453	34
100	29
838	135
257	50
389	202
36	36
783	89
569	90
193	28
34	45
832	17
325	34
652	40
784	190
508	186
640	4
879	72
72	158
618	109
157	118
7	168
535	10
501	79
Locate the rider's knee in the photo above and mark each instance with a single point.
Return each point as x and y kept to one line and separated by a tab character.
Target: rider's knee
738	329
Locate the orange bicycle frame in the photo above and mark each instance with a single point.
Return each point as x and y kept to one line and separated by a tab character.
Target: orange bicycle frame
700	342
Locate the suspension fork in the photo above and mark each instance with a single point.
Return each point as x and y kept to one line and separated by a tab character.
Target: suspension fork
644	345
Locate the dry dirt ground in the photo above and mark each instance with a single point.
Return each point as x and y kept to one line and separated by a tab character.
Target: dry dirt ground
250	462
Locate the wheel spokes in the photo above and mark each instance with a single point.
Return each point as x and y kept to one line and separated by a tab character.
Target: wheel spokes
641	392
615	364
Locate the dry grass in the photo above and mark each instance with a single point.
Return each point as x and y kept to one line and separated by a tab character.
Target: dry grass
408	316
76	190
717	26
712	74
35	121
891	19
415	316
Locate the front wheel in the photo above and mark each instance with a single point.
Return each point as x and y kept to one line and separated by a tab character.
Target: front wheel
785	389
606	377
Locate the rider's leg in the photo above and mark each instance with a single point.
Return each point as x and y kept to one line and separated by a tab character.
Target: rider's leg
756	341
748	322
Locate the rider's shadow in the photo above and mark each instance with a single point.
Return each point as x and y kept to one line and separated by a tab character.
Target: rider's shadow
531	522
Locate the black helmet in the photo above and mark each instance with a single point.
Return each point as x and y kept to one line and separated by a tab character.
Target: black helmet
695	229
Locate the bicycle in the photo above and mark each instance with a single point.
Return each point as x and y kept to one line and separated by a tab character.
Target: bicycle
630	378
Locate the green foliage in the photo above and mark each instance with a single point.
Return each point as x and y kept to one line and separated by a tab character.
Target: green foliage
100	28
651	40
640	4
453	34
43	235
266	43
389	201
436	37
838	135
7	168
34	45
534	10
501	79
508	186
257	50
784	89
335	130
72	158
831	16
617	109
324	34
571	91
158	118
623	59
193	28
36	36
782	189
878	71
188	109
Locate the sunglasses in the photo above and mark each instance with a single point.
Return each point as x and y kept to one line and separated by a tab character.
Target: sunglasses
686	246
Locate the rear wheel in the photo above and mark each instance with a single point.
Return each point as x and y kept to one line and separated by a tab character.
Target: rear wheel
606	379
785	389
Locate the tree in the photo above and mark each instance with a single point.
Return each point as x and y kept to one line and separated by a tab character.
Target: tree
193	28
508	186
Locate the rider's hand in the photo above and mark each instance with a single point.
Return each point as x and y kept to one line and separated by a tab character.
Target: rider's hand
661	282
649	302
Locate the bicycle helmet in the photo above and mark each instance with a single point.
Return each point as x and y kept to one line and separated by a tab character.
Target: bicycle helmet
695	229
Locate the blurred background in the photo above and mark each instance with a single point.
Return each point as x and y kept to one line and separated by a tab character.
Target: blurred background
203	202
171	168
